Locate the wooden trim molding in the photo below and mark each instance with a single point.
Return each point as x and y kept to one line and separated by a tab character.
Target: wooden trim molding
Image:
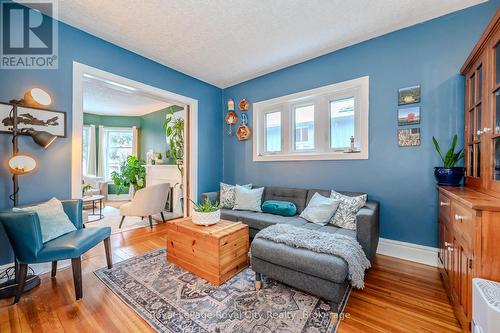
76	161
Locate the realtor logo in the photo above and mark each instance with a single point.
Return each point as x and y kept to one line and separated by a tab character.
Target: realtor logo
28	34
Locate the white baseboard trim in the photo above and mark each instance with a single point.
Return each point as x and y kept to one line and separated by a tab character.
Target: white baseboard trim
413	252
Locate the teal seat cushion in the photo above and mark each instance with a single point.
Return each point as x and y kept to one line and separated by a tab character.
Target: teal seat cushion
283	208
72	244
53	220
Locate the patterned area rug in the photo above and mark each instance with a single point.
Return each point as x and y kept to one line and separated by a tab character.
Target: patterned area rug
171	299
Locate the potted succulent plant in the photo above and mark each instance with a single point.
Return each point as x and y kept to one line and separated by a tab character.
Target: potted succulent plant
449	174
207	213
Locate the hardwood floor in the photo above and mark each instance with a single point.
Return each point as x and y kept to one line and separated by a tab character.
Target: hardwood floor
399	296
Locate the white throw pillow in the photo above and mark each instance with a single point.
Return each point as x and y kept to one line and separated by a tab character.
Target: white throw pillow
345	217
248	199
53	220
227	195
320	209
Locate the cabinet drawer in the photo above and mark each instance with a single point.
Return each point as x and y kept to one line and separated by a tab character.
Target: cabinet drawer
444	207
463	223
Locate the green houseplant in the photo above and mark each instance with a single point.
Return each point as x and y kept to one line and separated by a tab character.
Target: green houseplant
449	174
132	175
206	213
174	133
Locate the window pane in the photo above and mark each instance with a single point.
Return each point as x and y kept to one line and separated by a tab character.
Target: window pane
472	90
111	168
341	122
120	139
118	155
479	83
497	111
304	127
478	160
119	147
273	132
479	119
472	126
497	64
496	171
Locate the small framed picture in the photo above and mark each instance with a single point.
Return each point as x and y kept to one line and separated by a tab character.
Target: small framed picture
409	137
409	95
50	121
409	116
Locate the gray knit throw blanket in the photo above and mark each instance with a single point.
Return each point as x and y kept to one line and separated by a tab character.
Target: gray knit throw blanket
343	246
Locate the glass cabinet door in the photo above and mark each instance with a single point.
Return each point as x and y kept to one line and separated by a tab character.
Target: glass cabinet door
477	127
474	125
482	114
494	101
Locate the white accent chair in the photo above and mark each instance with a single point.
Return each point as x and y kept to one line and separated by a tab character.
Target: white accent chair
99	185
146	202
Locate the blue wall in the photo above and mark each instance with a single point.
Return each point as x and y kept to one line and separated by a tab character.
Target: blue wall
429	54
52	178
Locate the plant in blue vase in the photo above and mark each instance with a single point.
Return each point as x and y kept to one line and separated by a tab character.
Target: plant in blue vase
449	174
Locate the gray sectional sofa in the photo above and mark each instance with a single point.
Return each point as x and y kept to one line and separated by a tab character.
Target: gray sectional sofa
319	274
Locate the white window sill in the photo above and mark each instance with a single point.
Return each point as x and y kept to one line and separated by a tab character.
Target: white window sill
312	157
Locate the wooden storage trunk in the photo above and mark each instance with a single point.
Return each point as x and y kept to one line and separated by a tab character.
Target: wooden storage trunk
215	253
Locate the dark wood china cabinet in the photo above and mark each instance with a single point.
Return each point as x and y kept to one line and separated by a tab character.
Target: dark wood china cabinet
469	216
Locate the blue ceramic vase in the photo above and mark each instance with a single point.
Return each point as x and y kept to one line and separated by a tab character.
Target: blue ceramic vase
449	176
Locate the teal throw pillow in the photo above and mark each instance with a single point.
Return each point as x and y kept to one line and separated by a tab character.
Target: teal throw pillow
283	208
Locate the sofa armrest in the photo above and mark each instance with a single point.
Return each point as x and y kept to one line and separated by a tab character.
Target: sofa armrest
367	228
212	196
73	208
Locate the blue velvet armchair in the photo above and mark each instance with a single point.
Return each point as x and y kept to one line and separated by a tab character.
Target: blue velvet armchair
25	236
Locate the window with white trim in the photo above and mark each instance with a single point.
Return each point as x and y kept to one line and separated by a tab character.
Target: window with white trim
326	123
118	146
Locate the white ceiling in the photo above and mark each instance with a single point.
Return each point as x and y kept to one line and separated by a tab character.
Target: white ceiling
225	42
108	98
